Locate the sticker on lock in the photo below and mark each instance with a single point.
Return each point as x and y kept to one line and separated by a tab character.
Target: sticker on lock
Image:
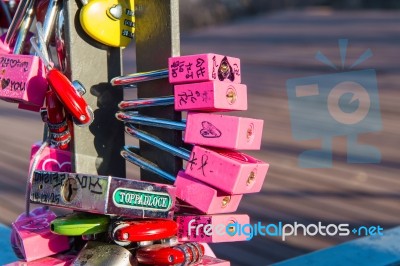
109	22
135	199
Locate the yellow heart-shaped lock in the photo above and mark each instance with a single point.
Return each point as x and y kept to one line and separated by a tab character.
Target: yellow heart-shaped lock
111	22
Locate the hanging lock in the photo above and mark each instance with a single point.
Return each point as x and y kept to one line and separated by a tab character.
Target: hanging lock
51	159
109	22
188	189
229	171
55	260
212	228
190	69
69	93
22	77
100	253
103	194
210	96
125	232
31	237
53	114
184	254
79	224
208	129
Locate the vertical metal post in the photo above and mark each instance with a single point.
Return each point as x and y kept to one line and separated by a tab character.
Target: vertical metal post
157	39
95	148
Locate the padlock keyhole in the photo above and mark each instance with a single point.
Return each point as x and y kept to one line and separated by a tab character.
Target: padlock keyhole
69	190
231	95
225	201
251	178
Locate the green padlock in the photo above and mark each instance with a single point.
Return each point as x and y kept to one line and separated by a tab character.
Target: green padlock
77	224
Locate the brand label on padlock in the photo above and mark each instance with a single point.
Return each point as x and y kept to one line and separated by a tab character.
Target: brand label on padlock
229	171
223	131
204	67
22	79
212	201
52	159
210	96
103	194
211	228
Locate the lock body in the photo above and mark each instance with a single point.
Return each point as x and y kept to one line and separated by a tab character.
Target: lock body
204	67
207	260
33	237
222	131
52	159
202	197
211	228
109	22
55	260
22	79
103	194
229	171
210	96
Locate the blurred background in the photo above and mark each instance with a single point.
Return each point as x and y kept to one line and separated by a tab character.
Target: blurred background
276	41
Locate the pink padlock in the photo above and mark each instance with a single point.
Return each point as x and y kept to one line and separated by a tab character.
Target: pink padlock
232	172
203	67
56	260
229	171
202	197
31	237
207	261
210	96
208	129
212	228
52	159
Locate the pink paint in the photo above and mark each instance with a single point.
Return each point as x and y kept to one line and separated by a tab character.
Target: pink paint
22	79
52	159
207	260
31	236
211	228
56	260
204	67
222	131
204	198
229	171
210	96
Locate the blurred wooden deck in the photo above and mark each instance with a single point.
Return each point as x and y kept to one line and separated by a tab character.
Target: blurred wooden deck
274	48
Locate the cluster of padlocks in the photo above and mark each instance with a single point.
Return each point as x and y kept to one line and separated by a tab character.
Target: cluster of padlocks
118	221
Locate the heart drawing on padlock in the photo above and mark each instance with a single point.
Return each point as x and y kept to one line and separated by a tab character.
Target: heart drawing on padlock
209	130
53	165
109	22
4	83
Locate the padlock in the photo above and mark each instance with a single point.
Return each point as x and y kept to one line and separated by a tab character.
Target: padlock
51	159
55	260
125	232
211	96
103	194
229	171
188	189
109	22
100	253
32	238
69	93
208	129
203	67
211	228
79	224
54	115
207	261
183	254
23	76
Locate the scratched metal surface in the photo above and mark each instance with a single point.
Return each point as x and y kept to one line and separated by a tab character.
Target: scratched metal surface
274	48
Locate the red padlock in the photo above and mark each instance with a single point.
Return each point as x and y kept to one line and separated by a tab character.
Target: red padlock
184	254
